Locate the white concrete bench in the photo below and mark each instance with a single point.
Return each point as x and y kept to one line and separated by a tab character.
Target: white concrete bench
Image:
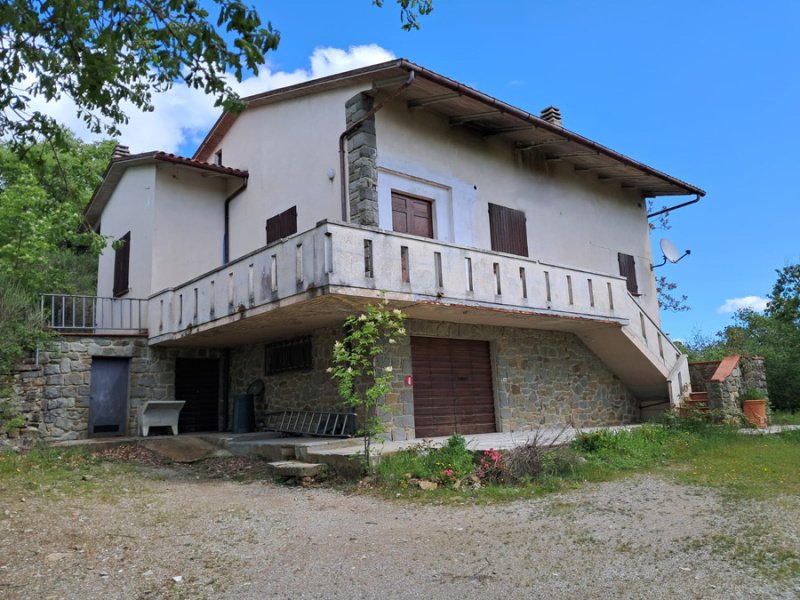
159	413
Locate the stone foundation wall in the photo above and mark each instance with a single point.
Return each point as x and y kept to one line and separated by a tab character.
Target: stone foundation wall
298	390
53	395
700	373
540	378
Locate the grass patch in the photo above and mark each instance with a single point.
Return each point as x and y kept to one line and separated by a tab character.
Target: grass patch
784	418
751	466
47	471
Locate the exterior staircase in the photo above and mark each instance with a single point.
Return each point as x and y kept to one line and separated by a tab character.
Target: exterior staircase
697	404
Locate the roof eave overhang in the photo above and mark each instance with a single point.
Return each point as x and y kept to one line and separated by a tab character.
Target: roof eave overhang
468	107
117	167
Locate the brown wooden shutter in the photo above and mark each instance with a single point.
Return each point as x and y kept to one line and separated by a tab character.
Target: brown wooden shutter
627	268
412	215
282	225
122	258
508	231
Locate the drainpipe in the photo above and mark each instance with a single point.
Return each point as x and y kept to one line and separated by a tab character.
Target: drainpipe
671	208
226	246
349	131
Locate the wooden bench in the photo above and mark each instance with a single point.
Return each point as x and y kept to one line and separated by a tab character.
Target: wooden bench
159	413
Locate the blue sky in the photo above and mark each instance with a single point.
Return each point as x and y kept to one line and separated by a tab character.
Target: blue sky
707	91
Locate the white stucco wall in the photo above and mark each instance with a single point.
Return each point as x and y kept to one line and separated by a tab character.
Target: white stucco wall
189	225
131	208
288	148
573	219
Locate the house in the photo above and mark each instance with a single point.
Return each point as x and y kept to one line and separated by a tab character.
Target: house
519	250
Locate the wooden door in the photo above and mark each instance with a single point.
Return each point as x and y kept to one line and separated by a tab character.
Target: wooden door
453	390
412	215
197	382
108	397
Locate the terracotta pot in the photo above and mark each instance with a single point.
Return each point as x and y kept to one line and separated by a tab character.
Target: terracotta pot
755	412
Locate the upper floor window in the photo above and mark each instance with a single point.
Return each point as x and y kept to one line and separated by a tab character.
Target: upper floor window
282	225
508	230
122	259
411	214
218	157
627	269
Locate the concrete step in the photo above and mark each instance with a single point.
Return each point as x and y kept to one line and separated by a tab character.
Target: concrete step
294	468
698	395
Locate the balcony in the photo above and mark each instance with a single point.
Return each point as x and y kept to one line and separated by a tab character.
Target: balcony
92	315
319	276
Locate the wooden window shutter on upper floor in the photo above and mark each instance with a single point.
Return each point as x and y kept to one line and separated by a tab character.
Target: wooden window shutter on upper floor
122	259
508	231
282	225
412	215
627	269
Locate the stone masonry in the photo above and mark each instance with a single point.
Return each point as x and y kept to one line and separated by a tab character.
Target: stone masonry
53	395
362	156
540	378
725	389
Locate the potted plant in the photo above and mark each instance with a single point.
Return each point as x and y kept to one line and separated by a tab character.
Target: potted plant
754	407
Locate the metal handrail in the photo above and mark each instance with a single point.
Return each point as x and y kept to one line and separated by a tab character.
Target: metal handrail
81	313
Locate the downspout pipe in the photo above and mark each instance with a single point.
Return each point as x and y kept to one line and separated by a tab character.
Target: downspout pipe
676	207
351	129
226	246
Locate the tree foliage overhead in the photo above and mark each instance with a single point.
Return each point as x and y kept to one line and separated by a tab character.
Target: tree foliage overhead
42	196
102	54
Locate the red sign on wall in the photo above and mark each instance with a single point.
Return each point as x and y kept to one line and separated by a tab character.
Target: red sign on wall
409	380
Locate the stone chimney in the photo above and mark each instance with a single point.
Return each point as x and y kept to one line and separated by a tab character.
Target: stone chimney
120	152
552	115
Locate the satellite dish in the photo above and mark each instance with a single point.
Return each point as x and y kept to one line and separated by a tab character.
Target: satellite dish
670	252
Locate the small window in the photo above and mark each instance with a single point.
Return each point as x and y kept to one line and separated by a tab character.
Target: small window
508	231
282	225
218	157
288	355
412	215
122	259
627	269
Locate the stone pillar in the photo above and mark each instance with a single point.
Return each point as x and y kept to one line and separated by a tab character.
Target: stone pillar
754	375
362	156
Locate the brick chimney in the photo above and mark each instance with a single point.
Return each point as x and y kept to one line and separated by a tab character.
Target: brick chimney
552	115
120	152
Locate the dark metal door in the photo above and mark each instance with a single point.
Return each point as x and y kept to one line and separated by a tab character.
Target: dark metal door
108	397
197	382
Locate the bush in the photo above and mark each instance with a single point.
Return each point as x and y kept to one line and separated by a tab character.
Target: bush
523	462
446	465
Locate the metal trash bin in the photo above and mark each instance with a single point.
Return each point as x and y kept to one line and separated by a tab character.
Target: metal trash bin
244	413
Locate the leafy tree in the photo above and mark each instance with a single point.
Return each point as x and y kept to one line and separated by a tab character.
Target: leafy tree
774	334
103	54
668	298
42	196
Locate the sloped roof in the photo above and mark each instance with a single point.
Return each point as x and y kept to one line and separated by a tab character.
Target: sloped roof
119	164
464	106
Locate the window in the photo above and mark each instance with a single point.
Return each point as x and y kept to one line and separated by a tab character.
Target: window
412	215
627	269
508	231
282	225
218	157
122	259
288	355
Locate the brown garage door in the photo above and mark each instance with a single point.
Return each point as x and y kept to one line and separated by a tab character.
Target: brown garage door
452	386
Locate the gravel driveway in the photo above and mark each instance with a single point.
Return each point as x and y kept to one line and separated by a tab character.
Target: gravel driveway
177	536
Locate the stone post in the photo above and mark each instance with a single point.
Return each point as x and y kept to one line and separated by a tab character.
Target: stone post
362	154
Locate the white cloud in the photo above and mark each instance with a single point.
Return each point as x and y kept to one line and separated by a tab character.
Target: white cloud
731	305
184	115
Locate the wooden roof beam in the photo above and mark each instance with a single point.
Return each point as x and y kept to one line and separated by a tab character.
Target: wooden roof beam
473	117
423	102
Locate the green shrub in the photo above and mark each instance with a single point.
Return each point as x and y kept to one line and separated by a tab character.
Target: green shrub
445	465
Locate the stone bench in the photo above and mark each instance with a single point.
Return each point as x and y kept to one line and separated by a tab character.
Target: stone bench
159	413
